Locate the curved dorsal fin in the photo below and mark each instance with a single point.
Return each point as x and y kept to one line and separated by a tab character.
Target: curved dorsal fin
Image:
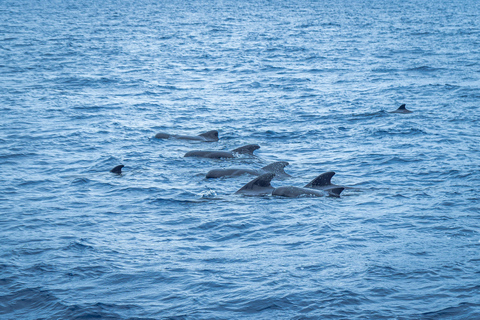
248	149
402	107
335	192
276	167
262	181
322	180
117	169
210	135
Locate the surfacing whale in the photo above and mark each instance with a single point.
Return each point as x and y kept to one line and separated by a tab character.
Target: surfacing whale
258	186
248	149
117	169
401	109
323	182
277	168
209	136
295	192
261	186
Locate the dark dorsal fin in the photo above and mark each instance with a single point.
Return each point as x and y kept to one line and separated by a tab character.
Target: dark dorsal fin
262	181
211	135
322	180
276	167
248	149
335	192
117	169
402	107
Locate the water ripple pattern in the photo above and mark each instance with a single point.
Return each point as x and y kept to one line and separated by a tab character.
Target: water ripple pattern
86	85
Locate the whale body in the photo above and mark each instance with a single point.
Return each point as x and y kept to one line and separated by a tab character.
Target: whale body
401	109
261	186
295	192
248	149
219	173
209	136
277	168
258	186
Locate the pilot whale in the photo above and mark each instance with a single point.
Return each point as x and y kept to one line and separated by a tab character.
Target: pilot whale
258	186
261	186
248	149
295	192
117	169
277	168
323	182
401	109
209	136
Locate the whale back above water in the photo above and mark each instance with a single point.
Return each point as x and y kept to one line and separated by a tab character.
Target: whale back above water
258	186
162	135
247	149
276	167
212	154
319	187
335	192
401	109
295	192
209	154
209	136
233	172
261	186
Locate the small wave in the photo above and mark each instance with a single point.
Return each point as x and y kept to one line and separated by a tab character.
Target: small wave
78	181
99	311
305	25
209	194
424	69
88	272
174	200
39	301
384	272
272	68
85	81
464	310
367	115
218	30
385	70
397	160
42	268
389	132
17	155
79	246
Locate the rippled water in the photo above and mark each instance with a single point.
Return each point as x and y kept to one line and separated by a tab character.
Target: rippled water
85	86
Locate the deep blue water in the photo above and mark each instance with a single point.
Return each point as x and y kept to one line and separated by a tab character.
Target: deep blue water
86	85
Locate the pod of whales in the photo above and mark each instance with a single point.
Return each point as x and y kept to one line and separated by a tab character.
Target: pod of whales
401	109
209	136
261	186
248	149
319	187
277	168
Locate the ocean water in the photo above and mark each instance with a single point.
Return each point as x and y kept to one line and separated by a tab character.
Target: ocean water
86	85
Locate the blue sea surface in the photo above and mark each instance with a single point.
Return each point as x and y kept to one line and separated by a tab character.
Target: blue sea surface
86	85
